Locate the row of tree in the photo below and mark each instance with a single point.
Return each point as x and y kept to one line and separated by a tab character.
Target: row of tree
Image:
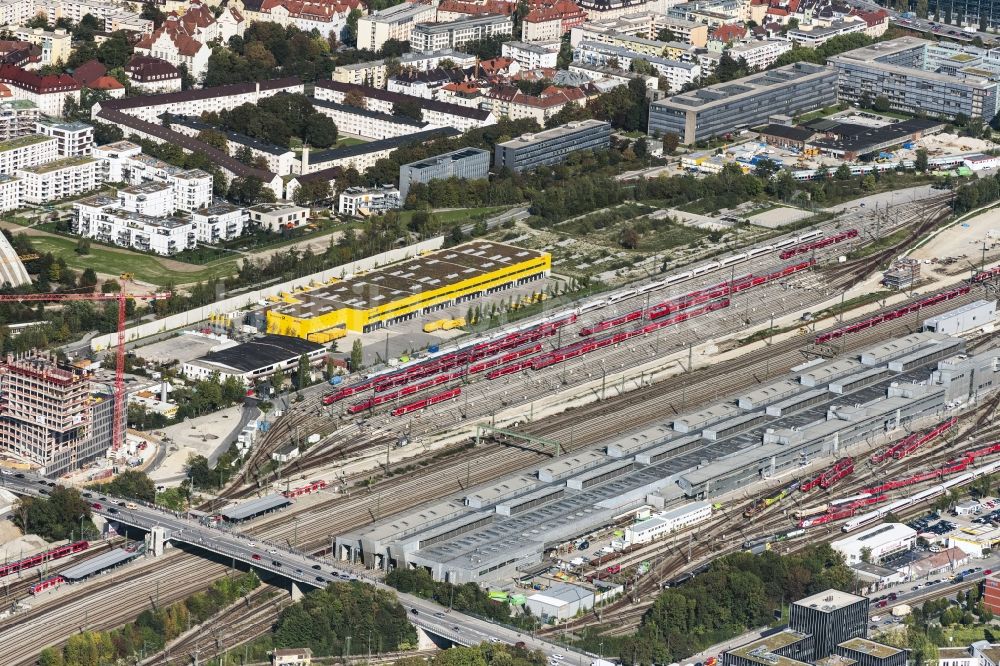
61	515
277	119
739	592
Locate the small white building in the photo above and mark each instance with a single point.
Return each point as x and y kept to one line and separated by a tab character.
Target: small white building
880	540
982	162
218	222
364	202
256	360
560	602
275	217
963	319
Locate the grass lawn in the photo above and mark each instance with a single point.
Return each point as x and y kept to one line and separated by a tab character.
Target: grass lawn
146	268
448	217
347	141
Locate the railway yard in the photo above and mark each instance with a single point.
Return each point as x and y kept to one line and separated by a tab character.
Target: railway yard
493	459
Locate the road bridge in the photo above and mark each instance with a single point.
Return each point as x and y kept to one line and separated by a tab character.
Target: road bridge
301	570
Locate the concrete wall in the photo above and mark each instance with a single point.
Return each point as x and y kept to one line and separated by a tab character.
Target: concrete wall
252	299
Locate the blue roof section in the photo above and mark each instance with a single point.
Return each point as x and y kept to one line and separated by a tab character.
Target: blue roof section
94	565
255	507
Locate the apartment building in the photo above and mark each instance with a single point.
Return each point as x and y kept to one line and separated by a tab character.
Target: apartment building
74	139
196	102
677	72
280	160
48	92
426	37
548	22
10	199
17	118
598	10
920	76
435	113
327	18
55	45
218	222
153	75
192	189
171	43
395	22
509	102
532	55
62	178
275	217
75	10
728	107
368	124
103	219
813	36
466	163
362	202
452	10
760	55
49	418
552	146
25	151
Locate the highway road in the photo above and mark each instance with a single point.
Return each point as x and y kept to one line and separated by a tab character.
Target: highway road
293	565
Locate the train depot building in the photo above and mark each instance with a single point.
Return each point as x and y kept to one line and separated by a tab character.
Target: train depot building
500	531
399	292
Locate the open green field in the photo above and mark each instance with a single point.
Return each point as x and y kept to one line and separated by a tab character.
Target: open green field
450	217
146	268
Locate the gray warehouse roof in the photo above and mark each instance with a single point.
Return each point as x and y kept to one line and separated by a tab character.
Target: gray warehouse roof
255	507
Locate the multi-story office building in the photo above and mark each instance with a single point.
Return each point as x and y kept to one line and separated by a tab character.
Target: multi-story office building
395	22
831	618
917	75
728	107
65	177
468	163
864	652
785	648
361	201
75	139
48	418
552	146
427	37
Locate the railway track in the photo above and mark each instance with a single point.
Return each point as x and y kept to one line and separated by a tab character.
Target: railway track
312	417
387	496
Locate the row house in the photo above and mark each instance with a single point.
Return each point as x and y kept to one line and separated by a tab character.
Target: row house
436	113
196	102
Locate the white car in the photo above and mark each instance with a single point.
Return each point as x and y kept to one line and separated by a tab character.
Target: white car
272	551
252	544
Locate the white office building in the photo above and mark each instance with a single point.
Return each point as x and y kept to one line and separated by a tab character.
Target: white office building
660	525
878	541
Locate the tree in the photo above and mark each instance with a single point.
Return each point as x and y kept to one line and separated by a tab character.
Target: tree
320	131
866	554
565	56
152	13
868	183
670	143
88	279
881	104
843	172
356	98
38	21
131	484
278	381
922	9
666	35
311	192
921	161
640	66
409	109
766	169
302	373
357	355
629	238
116	50
214	138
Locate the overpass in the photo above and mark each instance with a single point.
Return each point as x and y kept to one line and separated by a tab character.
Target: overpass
298	568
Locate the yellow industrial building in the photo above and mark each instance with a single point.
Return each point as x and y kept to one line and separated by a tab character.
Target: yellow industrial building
406	290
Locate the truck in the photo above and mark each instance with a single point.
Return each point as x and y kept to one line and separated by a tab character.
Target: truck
603	662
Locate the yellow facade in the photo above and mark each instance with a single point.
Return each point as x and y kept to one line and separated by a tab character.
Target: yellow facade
357	319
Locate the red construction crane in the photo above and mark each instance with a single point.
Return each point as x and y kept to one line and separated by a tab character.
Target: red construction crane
117	435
